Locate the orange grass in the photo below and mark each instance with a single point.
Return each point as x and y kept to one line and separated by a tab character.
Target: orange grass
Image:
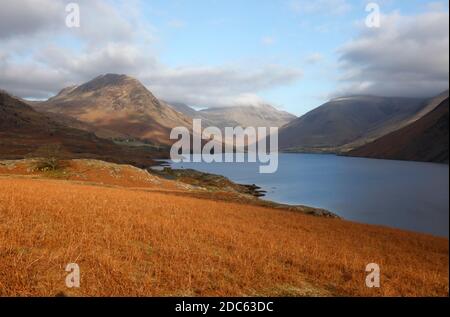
129	242
92	171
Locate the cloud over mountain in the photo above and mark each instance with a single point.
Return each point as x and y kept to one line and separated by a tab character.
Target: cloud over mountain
114	39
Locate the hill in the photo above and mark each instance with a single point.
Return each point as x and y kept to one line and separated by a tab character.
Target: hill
426	139
118	103
348	120
23	131
133	234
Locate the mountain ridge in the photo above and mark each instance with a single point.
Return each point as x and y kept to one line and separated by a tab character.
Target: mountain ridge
348	120
118	103
425	139
24	130
263	115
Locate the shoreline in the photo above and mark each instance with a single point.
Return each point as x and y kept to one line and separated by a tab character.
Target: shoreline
129	217
171	235
217	183
297	205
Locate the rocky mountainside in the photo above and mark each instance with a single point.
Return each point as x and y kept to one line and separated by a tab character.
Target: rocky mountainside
118	103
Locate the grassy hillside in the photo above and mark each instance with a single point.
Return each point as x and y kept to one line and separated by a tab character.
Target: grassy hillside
135	234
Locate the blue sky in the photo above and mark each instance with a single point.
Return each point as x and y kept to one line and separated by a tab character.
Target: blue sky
266	31
294	54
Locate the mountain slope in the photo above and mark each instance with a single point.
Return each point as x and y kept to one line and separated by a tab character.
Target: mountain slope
118	103
426	139
88	127
156	240
244	116
348	120
24	130
431	104
183	108
249	116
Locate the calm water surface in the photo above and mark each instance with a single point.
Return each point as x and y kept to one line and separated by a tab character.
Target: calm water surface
407	195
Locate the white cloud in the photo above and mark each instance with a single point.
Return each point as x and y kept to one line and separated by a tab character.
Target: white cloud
218	86
407	56
113	39
100	21
18	18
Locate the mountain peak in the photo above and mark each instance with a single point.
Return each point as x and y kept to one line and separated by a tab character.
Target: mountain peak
119	103
106	80
113	78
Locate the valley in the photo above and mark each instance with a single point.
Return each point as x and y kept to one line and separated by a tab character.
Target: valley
77	185
223	156
119	108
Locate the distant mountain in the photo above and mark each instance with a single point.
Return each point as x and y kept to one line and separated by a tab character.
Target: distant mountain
426	139
244	116
23	130
348	122
249	116
183	108
118	103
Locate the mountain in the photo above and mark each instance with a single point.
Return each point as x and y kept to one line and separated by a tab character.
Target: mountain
183	108
348	122
249	116
118	103
24	130
88	127
244	116
426	139
430	105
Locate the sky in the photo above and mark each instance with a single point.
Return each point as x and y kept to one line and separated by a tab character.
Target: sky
292	54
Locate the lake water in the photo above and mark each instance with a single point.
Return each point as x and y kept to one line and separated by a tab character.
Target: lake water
408	195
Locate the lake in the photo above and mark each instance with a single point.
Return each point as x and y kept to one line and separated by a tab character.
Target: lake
408	195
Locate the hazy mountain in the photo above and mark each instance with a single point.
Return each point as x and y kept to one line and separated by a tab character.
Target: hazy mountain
249	116
184	109
431	104
348	122
23	130
426	139
118	103
245	116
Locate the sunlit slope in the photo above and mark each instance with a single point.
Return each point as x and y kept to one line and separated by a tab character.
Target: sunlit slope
131	241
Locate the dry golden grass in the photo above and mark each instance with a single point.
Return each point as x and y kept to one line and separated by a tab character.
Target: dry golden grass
92	171
131	242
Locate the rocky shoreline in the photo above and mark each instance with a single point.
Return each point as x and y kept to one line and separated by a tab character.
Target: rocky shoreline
214	185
